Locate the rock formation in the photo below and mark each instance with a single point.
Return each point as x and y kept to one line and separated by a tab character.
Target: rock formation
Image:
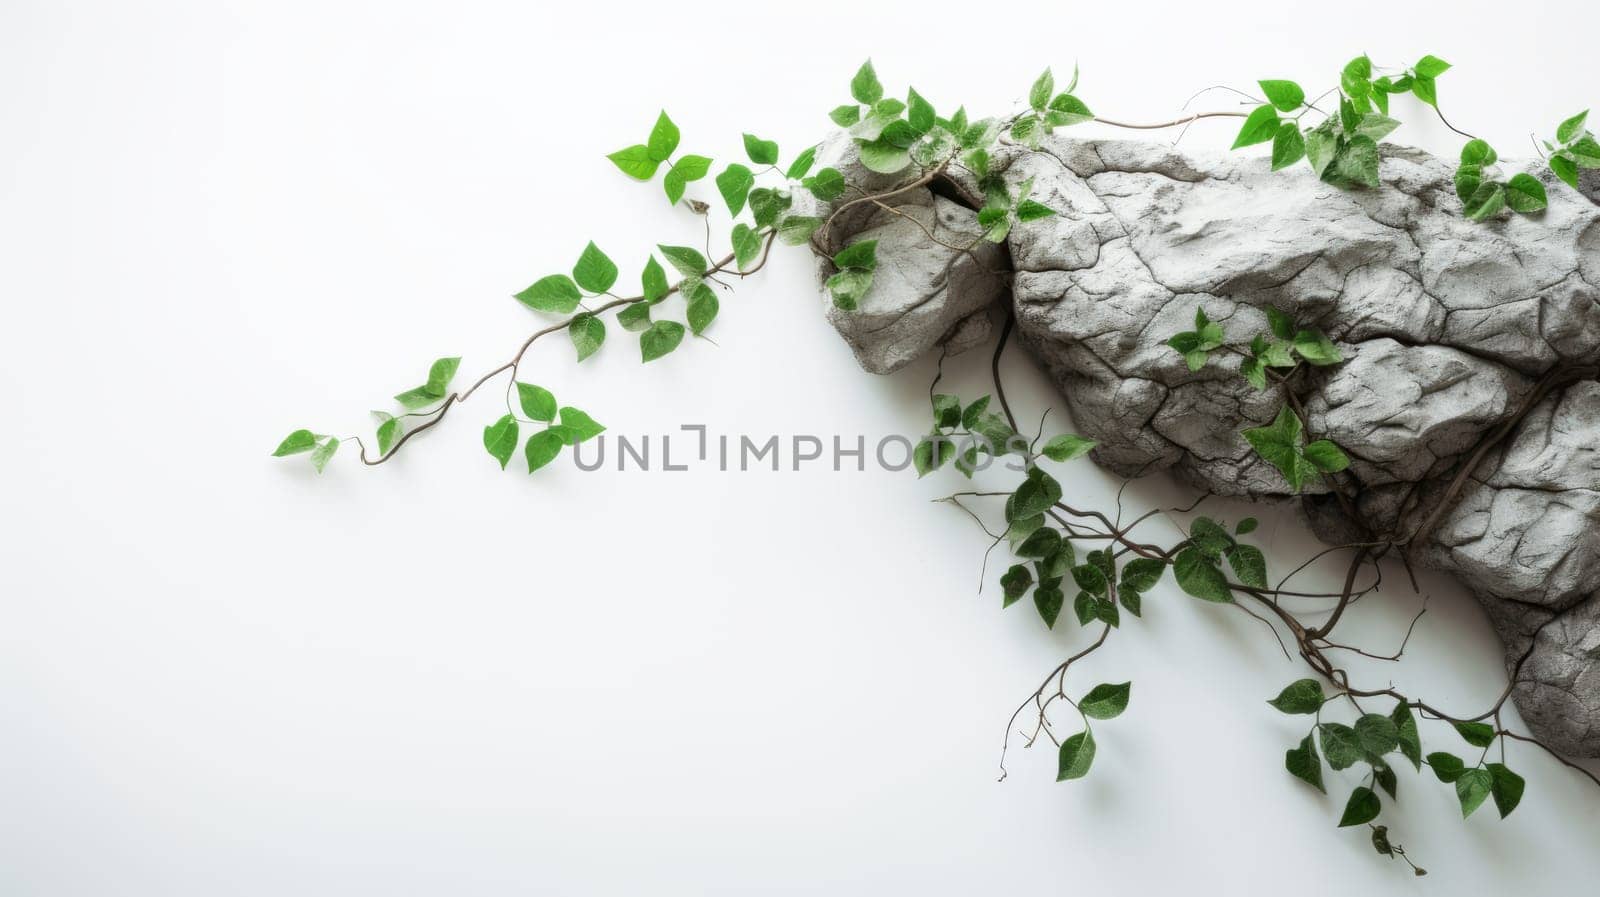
1448	328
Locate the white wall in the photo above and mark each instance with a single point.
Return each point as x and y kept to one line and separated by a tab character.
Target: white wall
222	674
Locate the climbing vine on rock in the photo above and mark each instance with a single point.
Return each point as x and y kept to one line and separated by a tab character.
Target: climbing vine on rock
1059	549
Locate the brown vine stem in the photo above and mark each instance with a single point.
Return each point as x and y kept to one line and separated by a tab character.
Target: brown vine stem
1170	124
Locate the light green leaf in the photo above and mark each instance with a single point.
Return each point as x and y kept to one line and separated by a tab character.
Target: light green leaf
635	162
761	152
734	184
1288	146
1525	195
1043	87
827	184
797	229
1356	163
595	271
746	245
440	373
388	433
1028	210
412	399
1565	169
1473	788
1259	127
1249	564
884	157
1572	128
556	293
1286	95
862	254
654	281
579	425
1376	126
919	112
542	448
1477	152
1485	202
801	164
1315	347
688	261
661	338
1327	457
766	204
295	443
323	453
587	332
864	87
1067	447
1106	701
848	287
1431	66
635	317
663	139
500	439
537	402
1066	110
702	309
1322	146
1076	756
845	116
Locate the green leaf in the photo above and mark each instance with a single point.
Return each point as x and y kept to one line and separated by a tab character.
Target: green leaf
1279	444
1477	152
746	245
1199	576
594	271
1028	210
1076	756
692	168
1047	600
635	317
295	443
1485	201
440	374
1090	578
1327	457
1106	701
1507	788
1286	95
862	254
542	448
797	229
702	310
845	116
323	453
827	184
884	157
848	287
761	152
1085	608
587	333
734	184
635	162
1572	128
1259	127
663	138
1066	110
1067	446
1131	600
661	338
933	452
1281	324
1469	176
1472	789
1406	726
1355	75
1141	574
1357	162
688	261
388	432
1300	696
654	281
500	439
1448	767
1376	126
1431	66
580	425
1565	169
1524	194
946	411
864	87
1386	779
1322	146
801	164
1377	733
1304	764
537	402
1037	494
1362	808
1015	583
1586	152
1040	544
1476	734
1043	87
412	399
919	112
1249	564
766	204
1209	536
556	293
1315	347
1288	146
1339	745
1426	91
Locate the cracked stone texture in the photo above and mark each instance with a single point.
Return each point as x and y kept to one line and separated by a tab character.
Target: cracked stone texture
1446	327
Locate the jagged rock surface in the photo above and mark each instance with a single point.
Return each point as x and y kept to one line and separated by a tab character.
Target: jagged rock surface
1447	328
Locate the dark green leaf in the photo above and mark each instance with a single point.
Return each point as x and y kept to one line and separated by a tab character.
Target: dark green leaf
1507	788
1090	578
1141	574
1040	544
932	453
1410	740
946	411
1249	564
1565	169
1386	779
1472	788
766	204
1362	808
1015	583
1300	696
1377	733
1485	202
1076	756
1246	526
1086	608
862	254
1209	536
1356	163
1448	767
1200	577
654	280
1339	745
702	310
1304	764
1476	734
587	332
1048	600
1106	701
1477	152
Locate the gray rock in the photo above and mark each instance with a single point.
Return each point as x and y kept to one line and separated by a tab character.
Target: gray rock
1446	327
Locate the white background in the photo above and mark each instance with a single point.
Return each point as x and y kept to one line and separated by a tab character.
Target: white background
221	674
